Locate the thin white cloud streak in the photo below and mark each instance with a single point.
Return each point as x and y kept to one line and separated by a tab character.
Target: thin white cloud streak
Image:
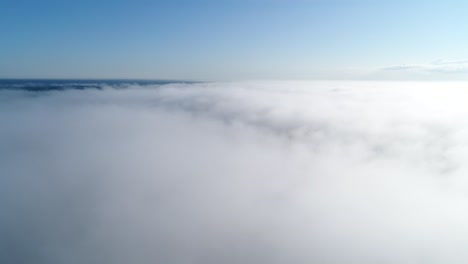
253	172
439	66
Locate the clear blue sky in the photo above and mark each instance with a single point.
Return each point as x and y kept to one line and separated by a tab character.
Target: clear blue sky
232	40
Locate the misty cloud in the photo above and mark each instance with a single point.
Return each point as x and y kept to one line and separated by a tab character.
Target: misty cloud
252	172
439	66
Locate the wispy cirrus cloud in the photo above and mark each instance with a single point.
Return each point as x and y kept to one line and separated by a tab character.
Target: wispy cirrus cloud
438	66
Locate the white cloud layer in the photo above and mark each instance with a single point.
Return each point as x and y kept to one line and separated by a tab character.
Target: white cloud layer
253	172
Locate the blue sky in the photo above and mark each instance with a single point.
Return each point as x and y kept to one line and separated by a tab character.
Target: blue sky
234	40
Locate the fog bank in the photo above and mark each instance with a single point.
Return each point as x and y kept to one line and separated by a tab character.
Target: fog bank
251	172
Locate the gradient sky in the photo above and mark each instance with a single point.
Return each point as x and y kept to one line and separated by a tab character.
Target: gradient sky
234	40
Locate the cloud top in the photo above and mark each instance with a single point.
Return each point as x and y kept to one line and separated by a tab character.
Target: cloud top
251	172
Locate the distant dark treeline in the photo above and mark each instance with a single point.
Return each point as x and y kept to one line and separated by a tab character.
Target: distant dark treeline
61	85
